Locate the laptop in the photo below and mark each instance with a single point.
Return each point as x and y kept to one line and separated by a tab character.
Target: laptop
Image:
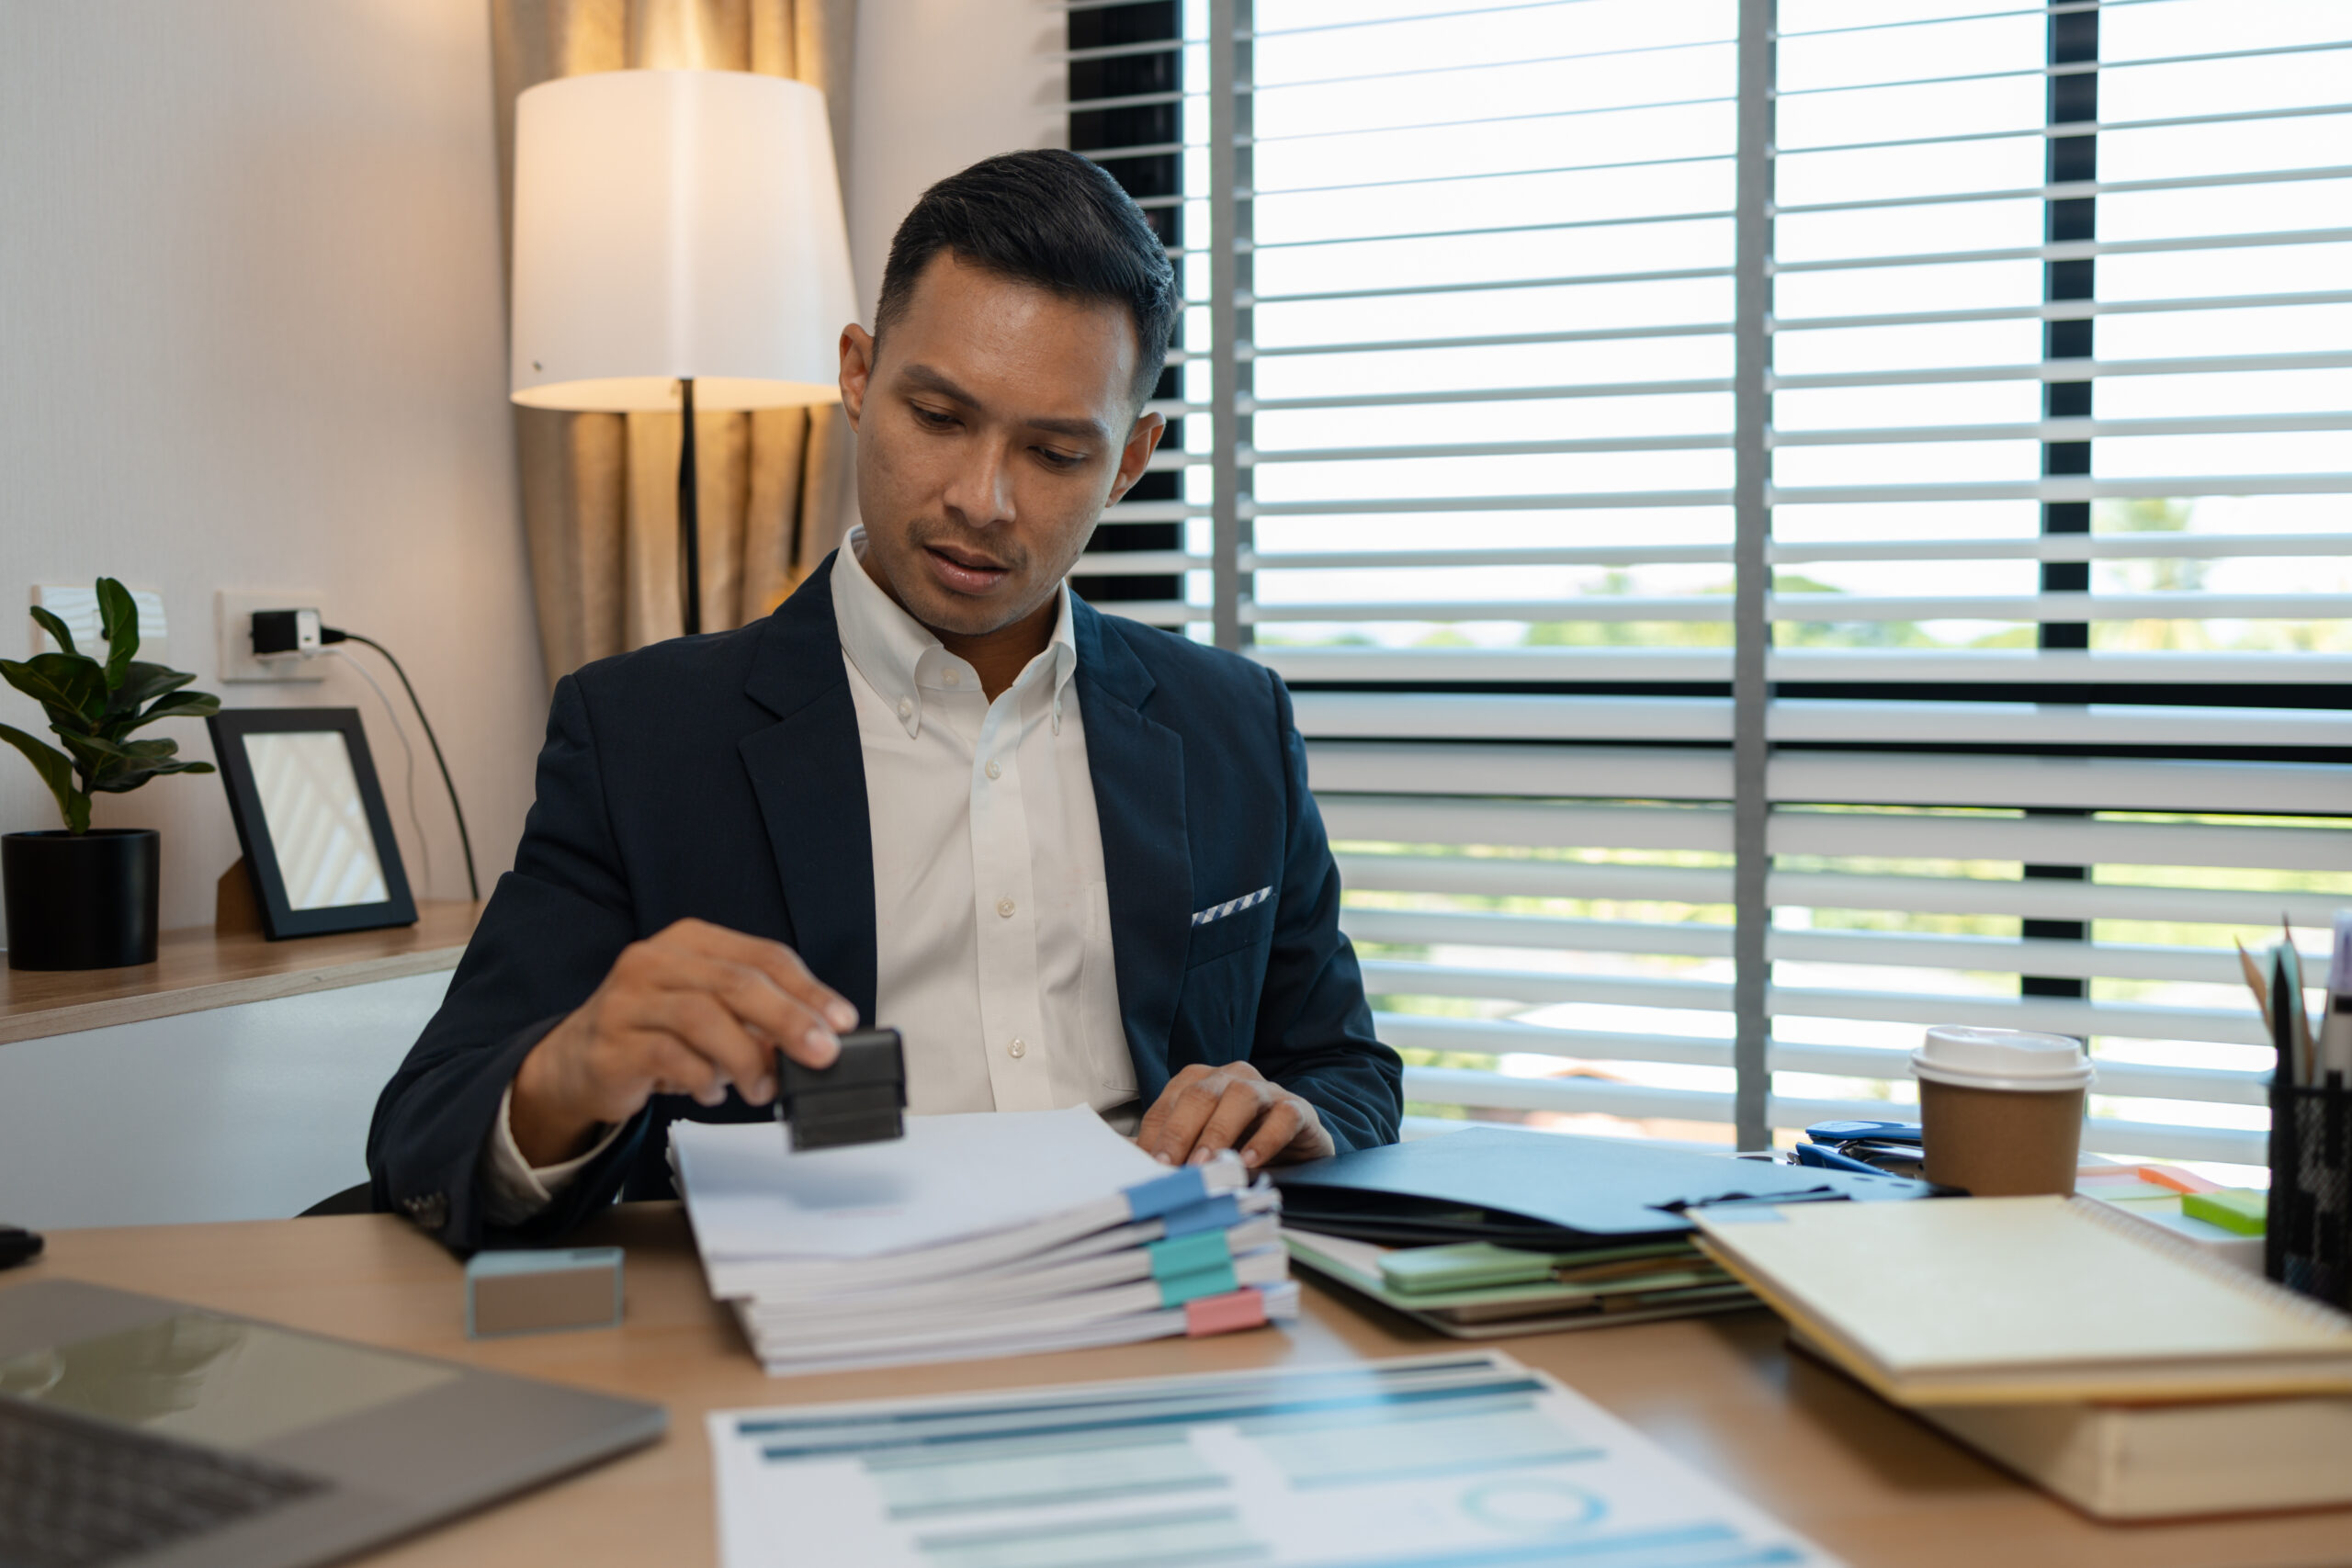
140	1431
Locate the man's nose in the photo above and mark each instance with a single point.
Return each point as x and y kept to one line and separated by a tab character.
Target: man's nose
979	490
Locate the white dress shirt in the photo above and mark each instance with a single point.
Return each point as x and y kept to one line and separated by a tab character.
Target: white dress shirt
992	920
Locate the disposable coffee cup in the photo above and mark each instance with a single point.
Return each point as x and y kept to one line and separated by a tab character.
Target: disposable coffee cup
2001	1110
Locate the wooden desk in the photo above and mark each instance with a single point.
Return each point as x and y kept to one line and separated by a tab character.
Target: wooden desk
196	969
1860	1478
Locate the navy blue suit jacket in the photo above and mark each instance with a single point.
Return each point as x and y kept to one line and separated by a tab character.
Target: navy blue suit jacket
722	777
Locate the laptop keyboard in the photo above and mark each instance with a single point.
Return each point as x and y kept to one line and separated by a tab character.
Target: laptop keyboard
77	1494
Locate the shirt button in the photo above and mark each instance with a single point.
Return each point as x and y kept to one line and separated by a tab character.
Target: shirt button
1004	908
993	770
905	708
1017	1050
954	677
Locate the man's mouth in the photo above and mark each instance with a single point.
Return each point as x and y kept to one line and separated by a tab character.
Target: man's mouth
966	571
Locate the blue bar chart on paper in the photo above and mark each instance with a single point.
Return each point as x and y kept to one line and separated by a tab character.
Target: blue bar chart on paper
1450	1461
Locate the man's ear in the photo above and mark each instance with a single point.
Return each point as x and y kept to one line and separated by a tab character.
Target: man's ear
1142	441
857	370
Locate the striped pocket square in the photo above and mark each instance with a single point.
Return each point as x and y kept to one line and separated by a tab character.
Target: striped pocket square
1232	907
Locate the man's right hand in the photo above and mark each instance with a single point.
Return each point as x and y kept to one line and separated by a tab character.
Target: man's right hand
689	1010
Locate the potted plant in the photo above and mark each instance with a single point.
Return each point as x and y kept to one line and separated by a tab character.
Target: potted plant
85	899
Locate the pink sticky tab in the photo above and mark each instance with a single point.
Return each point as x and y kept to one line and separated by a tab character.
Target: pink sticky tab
1225	1314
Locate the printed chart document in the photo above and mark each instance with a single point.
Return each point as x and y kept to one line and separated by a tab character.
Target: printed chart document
1448	1461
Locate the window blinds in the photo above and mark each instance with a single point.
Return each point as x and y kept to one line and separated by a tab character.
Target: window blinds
1788	523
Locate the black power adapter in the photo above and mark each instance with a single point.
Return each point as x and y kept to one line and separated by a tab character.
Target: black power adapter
285	631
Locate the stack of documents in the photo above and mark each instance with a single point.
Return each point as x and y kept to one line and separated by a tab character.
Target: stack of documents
1443	1462
1478	1291
983	1235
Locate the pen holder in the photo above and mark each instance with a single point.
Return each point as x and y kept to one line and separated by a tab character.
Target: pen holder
2307	1240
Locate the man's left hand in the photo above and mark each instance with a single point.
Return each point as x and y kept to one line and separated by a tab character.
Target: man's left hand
1204	1111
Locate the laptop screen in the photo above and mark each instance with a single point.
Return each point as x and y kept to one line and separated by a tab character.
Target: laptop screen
215	1379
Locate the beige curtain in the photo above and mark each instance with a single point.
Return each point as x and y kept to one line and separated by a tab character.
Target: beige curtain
600	489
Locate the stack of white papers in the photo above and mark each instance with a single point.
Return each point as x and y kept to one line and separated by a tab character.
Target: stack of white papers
1451	1461
991	1235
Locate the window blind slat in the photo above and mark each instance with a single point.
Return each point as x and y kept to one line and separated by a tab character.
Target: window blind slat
1404	818
1996	955
2062	311
2059	606
1678	665
2044	489
1475	716
2056	1015
2044	548
1479	285
1609	773
1499	1037
2078	128
2074	249
2071	191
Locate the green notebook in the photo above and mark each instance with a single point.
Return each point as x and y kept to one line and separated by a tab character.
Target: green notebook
1671	1281
1477	1265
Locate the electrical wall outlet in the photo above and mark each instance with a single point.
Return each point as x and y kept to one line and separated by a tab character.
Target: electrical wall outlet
235	625
78	608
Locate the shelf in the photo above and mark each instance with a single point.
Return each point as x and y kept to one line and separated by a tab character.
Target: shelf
198	968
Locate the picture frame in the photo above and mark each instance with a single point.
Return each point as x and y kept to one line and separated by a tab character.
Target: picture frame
311	818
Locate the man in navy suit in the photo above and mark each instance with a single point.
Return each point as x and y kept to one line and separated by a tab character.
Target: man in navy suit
1072	857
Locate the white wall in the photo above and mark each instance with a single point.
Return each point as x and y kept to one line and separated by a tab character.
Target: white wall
942	83
254	338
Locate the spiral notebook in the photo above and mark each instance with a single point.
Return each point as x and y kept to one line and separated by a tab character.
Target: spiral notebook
1995	1301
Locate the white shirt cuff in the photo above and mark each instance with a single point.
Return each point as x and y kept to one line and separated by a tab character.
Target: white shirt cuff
515	1190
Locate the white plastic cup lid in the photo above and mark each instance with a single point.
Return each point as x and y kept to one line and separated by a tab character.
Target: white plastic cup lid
1971	1057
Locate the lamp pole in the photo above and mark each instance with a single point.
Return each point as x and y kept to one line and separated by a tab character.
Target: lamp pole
689	511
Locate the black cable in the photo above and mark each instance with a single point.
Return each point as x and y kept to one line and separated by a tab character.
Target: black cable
465	840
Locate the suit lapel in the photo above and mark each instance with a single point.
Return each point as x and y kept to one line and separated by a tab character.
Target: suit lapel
808	770
1137	768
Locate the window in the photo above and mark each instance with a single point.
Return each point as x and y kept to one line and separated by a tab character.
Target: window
1787	523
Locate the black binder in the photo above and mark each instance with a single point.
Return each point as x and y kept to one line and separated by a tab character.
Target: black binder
1553	1191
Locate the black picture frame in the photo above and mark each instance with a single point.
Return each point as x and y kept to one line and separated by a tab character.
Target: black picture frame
280	919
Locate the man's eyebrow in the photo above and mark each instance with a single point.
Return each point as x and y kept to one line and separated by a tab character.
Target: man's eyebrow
932	380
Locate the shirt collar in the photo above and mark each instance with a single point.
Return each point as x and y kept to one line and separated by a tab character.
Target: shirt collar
900	657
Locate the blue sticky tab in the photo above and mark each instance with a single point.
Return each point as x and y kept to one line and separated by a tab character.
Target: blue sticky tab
1177	1189
1178	1288
1216	1214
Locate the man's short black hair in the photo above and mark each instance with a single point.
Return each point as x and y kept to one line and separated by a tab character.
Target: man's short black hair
1050	219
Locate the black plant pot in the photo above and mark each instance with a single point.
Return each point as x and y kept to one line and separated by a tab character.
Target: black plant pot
81	903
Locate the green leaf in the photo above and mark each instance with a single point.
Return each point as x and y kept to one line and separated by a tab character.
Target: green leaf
48	622
183	704
66	683
123	782
99	747
102	761
55	772
141	681
118	617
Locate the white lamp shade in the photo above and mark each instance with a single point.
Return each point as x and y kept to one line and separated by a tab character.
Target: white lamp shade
671	224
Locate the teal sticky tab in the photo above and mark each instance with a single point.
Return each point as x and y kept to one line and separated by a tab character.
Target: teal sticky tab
1187	1254
1178	1288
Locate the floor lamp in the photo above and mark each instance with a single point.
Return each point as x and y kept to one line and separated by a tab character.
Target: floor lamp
678	244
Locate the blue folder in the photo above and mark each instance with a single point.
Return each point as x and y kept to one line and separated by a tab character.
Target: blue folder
1546	1190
